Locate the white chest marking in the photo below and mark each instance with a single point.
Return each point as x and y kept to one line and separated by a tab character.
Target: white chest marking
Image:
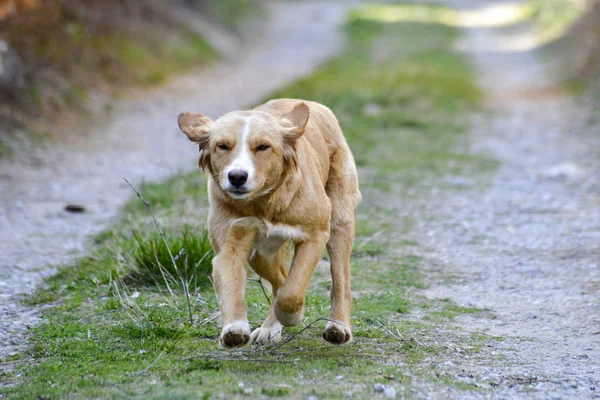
268	243
270	237
285	231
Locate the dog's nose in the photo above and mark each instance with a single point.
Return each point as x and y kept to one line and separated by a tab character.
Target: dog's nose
237	177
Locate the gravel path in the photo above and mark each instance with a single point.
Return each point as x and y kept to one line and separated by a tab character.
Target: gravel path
527	247
140	143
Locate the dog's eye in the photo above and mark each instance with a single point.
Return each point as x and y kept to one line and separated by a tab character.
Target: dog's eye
263	147
222	147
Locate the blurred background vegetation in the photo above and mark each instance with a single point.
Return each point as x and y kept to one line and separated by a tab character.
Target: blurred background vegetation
55	53
59	57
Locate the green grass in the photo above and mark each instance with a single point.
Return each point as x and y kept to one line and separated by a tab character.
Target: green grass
120	57
419	97
176	193
233	13
188	257
17	137
556	15
117	330
5	149
449	311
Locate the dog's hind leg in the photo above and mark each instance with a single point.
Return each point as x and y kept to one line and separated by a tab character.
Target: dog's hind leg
274	271
289	303
339	247
342	190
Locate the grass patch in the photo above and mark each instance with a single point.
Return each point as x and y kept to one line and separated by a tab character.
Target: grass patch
120	57
177	193
402	109
233	13
188	257
117	330
449	311
556	16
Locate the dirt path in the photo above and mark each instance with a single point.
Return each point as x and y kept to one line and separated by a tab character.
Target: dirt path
528	246
141	143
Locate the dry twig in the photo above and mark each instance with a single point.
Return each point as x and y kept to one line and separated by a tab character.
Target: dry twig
142	372
259	281
226	358
272	349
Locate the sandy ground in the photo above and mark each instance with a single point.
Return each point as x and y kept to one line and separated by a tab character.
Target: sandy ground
527	247
140	143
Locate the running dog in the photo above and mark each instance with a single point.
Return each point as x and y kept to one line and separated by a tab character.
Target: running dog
279	173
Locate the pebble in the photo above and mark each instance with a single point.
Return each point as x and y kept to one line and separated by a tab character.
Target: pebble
566	171
75	208
390	392
372	109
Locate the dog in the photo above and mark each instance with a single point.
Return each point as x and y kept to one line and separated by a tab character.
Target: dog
279	173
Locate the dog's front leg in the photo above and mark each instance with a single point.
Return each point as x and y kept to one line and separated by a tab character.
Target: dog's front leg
289	303
229	277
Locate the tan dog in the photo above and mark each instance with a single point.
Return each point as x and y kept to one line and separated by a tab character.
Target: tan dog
279	173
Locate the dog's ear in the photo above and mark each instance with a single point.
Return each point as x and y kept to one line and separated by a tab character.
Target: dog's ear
197	129
295	122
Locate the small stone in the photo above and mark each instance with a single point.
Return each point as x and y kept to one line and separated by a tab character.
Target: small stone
390	392
75	208
566	171
339	377
371	110
459	181
379	387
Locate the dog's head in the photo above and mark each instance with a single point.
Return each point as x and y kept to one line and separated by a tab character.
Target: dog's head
247	152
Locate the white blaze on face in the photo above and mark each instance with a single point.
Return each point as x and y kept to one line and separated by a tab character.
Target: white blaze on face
242	161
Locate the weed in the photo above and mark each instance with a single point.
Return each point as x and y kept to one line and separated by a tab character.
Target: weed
152	263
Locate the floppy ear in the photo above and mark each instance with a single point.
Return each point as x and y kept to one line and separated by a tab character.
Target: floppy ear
197	129
295	122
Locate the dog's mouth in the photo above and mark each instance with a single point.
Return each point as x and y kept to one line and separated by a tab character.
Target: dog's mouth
238	193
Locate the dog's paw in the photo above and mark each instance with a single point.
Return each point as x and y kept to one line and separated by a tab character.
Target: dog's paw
337	333
289	319
270	335
235	334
